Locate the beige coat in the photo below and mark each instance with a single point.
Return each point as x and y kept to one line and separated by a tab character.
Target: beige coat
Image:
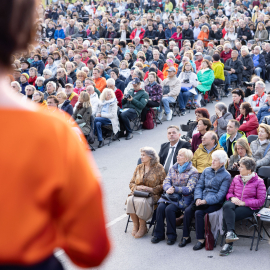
175	86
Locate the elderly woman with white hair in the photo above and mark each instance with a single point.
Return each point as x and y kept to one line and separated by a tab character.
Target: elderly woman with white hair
148	177
248	64
209	196
240	204
221	118
179	187
50	89
106	114
118	93
16	87
40	84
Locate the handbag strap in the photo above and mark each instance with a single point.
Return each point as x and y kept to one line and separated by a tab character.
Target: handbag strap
168	198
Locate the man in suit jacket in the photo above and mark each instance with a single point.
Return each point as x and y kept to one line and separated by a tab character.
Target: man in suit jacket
174	144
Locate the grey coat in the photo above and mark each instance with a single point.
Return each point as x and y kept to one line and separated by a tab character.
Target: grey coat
76	31
233	159
258	151
86	115
112	113
222	123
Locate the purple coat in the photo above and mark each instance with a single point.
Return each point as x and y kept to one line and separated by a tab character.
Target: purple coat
253	193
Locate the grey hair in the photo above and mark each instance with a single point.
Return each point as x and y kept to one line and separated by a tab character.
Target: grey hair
139	74
221	155
188	153
18	85
227	45
40	79
249	163
52	83
262	84
222	107
111	81
245	48
151	152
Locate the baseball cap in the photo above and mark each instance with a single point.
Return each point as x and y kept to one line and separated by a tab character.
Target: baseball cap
198	53
69	85
136	81
172	69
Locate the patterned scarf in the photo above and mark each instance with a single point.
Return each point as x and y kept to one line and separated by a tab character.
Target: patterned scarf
257	98
237	108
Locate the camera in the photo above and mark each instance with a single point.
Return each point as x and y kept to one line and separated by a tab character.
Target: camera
127	96
250	88
186	81
249	84
185	137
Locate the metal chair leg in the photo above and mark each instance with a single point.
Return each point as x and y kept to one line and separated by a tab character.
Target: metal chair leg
259	235
251	247
127	223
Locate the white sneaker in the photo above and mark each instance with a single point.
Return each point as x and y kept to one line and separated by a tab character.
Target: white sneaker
169	116
160	115
266	81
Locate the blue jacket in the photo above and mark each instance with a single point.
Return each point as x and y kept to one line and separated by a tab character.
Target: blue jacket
67	107
23	87
224	140
59	34
169	32
213	186
39	65
264	111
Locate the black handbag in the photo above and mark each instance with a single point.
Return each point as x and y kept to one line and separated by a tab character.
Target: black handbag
142	194
171	198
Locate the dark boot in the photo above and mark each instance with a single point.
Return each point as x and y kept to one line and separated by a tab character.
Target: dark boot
101	143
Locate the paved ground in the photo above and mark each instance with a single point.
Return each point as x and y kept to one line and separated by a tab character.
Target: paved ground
117	164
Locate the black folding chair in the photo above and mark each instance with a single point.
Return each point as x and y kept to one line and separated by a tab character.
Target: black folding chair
252	138
108	133
264	172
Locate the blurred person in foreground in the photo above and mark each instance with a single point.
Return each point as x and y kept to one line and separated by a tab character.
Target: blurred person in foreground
59	211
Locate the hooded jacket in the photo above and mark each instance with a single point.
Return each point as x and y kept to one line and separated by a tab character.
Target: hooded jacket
224	140
202	159
111	114
252	193
218	69
206	78
250	124
202	36
213	185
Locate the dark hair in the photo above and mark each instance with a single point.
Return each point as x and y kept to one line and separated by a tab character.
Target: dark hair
236	123
204	112
142	57
206	122
239	92
91	61
247	107
16	27
216	57
249	163
54	98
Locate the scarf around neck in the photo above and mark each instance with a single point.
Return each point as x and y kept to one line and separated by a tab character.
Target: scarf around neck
257	99
237	108
183	167
246	178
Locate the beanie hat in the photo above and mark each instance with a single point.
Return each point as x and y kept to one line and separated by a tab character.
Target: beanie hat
26	76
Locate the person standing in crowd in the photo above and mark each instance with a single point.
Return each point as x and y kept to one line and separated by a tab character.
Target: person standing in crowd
72	214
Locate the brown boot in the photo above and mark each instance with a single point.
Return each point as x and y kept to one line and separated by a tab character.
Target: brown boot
135	221
142	230
179	221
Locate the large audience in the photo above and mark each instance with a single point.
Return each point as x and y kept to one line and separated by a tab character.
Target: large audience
118	63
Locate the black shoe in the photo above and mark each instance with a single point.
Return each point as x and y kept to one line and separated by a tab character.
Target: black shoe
116	136
226	250
170	242
140	127
199	245
183	113
129	136
231	237
184	242
101	143
156	240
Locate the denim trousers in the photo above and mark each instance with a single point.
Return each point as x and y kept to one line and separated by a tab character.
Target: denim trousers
258	71
183	99
228	79
166	104
99	122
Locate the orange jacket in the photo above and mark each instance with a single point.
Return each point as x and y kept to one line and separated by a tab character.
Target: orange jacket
202	36
50	194
100	84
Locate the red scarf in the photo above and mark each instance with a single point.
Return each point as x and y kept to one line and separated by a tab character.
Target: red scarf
257	98
32	80
237	108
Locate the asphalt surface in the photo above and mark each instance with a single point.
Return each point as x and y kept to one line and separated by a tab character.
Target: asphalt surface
117	163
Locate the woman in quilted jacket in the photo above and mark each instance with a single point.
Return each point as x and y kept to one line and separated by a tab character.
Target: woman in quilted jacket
246	196
247	119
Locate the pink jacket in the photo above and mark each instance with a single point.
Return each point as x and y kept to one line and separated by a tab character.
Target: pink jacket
253	193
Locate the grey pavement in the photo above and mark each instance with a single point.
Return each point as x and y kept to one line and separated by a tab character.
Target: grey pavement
117	163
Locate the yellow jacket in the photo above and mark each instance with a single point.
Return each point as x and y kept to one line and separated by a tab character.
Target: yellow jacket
202	159
218	69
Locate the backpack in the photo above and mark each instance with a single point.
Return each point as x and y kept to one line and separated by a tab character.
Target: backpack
150	118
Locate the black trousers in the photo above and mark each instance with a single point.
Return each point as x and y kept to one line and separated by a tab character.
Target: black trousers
150	104
190	212
267	75
125	118
167	211
49	264
233	213
213	91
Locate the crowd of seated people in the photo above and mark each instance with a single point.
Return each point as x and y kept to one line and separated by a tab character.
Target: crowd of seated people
110	65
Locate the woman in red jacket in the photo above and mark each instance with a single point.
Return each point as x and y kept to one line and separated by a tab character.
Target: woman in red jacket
245	196
177	36
247	119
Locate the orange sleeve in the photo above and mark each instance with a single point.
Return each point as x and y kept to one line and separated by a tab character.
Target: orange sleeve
81	215
200	36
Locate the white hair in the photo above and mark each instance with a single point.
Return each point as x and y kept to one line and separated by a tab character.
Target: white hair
221	155
228	45
86	42
40	78
257	47
85	69
262	84
111	81
47	71
53	84
245	48
18	85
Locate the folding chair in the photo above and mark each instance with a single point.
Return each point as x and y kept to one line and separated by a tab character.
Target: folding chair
175	108
252	138
136	123
262	220
110	129
264	172
156	110
220	89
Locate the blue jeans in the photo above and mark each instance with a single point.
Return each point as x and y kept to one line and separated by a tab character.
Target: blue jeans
183	99
228	79
99	122
258	71
166	103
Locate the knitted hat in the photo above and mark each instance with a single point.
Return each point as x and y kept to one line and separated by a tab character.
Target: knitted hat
26	76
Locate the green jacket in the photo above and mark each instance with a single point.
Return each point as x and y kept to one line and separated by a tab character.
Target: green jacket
206	78
138	102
